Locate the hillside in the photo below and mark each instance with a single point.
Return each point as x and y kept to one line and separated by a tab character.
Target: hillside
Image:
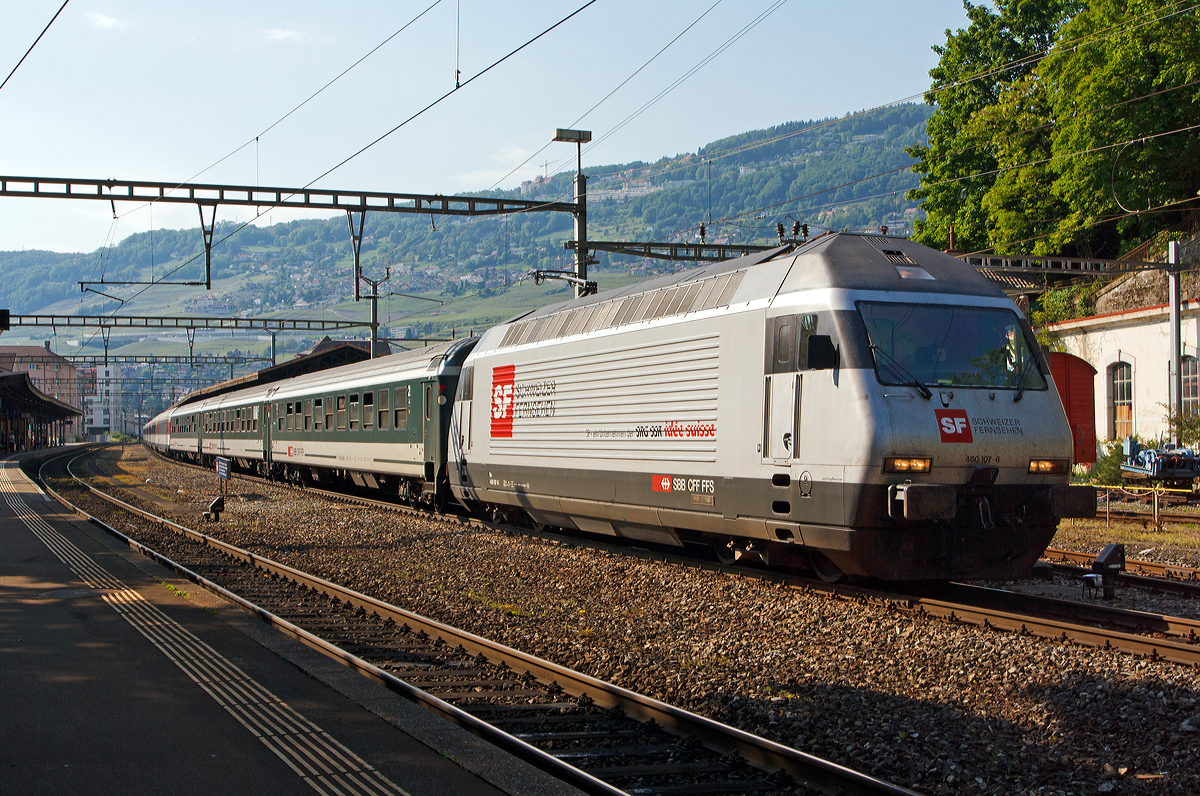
303	268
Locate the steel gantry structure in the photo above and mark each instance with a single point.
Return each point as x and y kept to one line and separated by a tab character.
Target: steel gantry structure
106	323
207	197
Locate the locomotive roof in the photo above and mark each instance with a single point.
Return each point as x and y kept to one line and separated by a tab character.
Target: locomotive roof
844	260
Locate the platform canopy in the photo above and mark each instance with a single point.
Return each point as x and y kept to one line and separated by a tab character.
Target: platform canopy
18	395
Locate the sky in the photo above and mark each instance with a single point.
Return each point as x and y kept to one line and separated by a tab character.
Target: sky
173	92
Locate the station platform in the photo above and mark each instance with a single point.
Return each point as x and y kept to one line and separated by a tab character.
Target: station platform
119	677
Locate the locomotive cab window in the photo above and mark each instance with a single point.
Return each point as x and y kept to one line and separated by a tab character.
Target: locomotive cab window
353	411
950	346
368	409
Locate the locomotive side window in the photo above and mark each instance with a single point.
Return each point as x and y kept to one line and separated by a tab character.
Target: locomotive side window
781	344
341	412
466	380
401	413
318	414
384	414
808	327
353	411
368	409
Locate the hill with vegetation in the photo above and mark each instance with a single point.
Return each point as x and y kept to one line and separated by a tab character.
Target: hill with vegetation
822	172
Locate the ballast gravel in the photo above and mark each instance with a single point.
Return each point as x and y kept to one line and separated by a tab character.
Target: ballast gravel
924	703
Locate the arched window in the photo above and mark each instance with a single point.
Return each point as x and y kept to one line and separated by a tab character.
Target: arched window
1189	370
1120	392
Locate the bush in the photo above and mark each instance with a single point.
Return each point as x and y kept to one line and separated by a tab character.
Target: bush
1107	469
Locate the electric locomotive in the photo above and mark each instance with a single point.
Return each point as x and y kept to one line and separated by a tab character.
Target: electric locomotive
866	403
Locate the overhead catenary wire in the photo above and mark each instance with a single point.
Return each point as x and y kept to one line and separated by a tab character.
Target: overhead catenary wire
281	119
621	85
35	42
934	91
363	149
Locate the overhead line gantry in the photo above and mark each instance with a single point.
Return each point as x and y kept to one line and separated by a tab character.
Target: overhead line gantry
206	197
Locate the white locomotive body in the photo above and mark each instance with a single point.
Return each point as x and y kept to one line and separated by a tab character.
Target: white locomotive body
866	400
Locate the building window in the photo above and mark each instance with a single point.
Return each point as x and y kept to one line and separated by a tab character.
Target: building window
1189	369
1120	379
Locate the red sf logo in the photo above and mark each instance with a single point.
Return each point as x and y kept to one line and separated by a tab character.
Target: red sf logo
954	425
660	483
502	400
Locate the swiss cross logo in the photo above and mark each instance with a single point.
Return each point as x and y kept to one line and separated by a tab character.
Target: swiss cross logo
660	483
954	425
502	400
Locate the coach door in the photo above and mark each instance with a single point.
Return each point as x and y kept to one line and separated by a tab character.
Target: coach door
782	391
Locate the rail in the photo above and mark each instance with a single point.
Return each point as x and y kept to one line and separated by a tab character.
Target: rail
806	769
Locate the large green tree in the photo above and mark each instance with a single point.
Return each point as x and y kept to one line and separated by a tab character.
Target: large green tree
975	67
1038	157
1120	73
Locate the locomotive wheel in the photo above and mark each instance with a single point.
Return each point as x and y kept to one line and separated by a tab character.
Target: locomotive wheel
725	552
826	570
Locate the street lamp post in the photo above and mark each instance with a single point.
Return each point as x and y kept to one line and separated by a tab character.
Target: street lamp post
579	138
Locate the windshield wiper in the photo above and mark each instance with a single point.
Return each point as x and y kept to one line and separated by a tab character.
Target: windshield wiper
1021	381
912	381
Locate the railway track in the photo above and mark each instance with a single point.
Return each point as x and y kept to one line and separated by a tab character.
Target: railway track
596	736
1148	575
1152	636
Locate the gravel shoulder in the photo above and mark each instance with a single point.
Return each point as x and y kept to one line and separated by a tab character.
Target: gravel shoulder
937	707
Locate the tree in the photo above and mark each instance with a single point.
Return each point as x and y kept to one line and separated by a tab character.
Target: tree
974	68
1050	154
1109	57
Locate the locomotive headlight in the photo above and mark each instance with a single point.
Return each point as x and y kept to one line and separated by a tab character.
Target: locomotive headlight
1047	466
907	464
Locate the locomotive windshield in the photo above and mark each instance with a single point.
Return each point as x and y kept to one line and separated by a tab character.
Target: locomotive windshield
948	346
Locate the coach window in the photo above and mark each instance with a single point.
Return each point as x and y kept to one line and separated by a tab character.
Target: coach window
1189	369
328	412
318	414
307	414
1120	396
341	413
279	416
382	408
291	417
368	409
401	411
353	411
241	424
